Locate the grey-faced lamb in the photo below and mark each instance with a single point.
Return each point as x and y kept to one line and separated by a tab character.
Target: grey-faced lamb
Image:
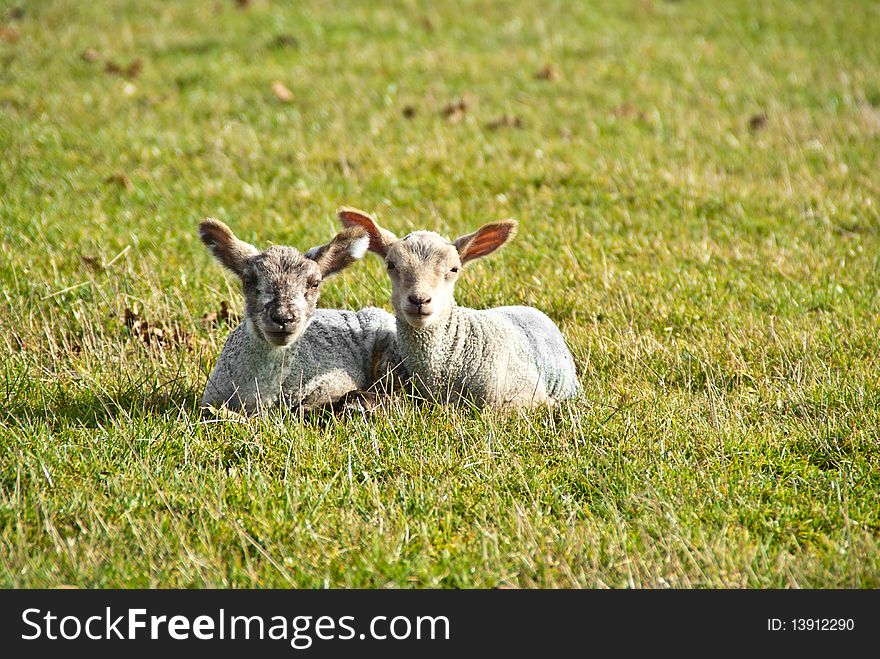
503	357
286	351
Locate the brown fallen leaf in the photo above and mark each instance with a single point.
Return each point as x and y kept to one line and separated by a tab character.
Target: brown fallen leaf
130	316
92	262
281	92
547	72
427	24
455	110
285	40
154	336
8	34
89	55
505	121
133	70
629	111
242	4
215	318
226	314
757	122
408	111
180	337
121	180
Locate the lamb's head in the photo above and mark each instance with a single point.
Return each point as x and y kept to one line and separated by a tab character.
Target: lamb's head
424	266
280	284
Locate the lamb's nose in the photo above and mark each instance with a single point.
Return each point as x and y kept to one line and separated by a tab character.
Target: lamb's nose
418	300
282	318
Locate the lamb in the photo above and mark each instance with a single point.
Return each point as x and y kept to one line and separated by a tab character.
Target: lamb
503	357
287	352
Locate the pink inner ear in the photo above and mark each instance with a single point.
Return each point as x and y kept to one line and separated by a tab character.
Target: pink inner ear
486	241
352	218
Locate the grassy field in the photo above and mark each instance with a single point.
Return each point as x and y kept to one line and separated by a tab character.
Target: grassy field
697	186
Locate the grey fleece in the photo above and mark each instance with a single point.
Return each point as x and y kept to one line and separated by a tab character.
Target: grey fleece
508	356
339	351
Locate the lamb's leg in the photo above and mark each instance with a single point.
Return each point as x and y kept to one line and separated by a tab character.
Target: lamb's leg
360	401
325	388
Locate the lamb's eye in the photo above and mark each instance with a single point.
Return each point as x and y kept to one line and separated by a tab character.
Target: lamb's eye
454	270
314	285
390	265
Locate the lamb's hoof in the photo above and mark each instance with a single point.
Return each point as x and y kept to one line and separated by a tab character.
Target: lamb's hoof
356	403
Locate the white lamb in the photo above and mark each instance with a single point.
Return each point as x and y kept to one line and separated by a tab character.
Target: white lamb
502	357
286	351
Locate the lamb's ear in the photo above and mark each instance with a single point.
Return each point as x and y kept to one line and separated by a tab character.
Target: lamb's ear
484	240
346	247
229	250
380	239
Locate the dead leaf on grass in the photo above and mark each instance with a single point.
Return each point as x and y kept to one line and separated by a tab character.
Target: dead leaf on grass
8	34
547	73
505	121
281	92
89	55
226	314
121	180
629	111
455	110
154	336
408	111
757	122
133	70
93	263
285	40
223	316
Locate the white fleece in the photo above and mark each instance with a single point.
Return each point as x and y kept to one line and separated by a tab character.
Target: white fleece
508	356
340	351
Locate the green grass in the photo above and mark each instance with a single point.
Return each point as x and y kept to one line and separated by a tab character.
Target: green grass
718	286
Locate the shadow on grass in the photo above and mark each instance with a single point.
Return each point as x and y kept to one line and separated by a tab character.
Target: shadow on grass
90	409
